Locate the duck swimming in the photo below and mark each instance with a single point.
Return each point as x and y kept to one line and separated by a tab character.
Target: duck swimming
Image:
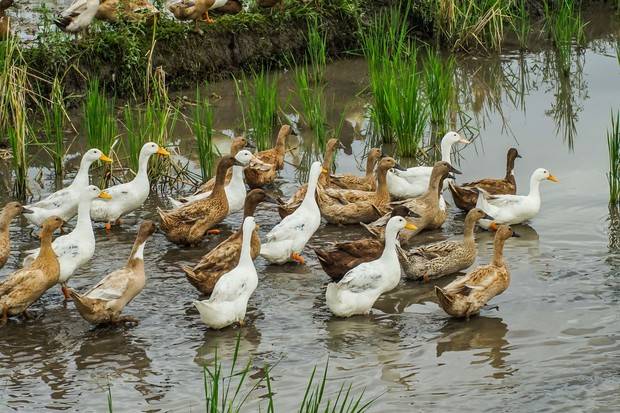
274	156
367	182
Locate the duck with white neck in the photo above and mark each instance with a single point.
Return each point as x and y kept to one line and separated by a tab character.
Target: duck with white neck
235	190
129	196
77	247
287	240
413	182
514	209
358	290
229	301
64	203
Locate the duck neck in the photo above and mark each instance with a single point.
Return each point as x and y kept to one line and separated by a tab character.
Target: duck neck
220	177
389	250
136	258
370	166
82	178
309	198
280	146
432	193
46	252
143	168
237	176
498	252
382	193
446	149
245	256
510	166
468	232
83	217
534	188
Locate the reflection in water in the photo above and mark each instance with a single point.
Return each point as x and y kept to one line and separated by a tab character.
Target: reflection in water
478	333
224	342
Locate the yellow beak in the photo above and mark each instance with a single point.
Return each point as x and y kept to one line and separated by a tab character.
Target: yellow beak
163	152
323	170
410	226
105	195
105	158
553	178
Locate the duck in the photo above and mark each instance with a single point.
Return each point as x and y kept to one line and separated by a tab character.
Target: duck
9	212
466	195
338	258
186	10
229	301
225	256
514	209
78	16
132	10
328	159
23	287
466	295
229	7
274	156
286	240
77	247
367	182
64	203
189	224
104	303
351	206
358	290
443	258
413	182
235	189
5	21
129	196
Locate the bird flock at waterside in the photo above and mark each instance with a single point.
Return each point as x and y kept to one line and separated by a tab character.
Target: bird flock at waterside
393	203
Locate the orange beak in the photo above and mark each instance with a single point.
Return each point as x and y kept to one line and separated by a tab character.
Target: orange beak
105	158
493	227
553	178
163	152
105	195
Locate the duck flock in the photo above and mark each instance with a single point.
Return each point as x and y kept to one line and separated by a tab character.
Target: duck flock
392	203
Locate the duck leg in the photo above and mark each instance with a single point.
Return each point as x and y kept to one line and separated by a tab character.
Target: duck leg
214	232
196	28
298	258
65	292
206	18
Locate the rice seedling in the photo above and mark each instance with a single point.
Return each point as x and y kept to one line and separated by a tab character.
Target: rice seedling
202	126
613	147
521	24
313	106
317	50
54	120
439	85
566	29
110	406
261	106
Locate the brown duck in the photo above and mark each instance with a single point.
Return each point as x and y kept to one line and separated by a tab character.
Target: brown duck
274	156
5	23
465	196
22	288
131	10
225	256
293	203
466	295
367	182
9	212
104	302
188	224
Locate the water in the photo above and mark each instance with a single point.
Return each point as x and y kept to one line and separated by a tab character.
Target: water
553	345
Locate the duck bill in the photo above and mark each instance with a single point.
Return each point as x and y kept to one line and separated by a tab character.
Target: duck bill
399	168
464	141
489	217
454	170
324	171
272	200
410	226
514	234
256	163
104	195
493	227
104	158
163	152
27	211
552	178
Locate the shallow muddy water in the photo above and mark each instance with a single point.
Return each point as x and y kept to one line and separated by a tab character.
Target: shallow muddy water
553	344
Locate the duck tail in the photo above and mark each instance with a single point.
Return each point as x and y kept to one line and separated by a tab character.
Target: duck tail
175	203
83	304
445	299
332	296
61	22
165	219
481	202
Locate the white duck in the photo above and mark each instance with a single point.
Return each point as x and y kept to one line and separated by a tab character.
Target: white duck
358	290
235	190
77	247
513	209
287	239
413	182
64	203
229	300
78	16
129	196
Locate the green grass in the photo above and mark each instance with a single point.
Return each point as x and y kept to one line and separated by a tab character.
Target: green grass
313	107
439	86
202	126
613	146
521	24
54	121
317	50
566	29
259	105
99	119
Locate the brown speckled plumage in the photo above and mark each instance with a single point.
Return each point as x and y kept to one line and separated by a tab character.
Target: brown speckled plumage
367	182
275	156
237	144
132	10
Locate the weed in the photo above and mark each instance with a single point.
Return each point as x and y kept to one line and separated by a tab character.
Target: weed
54	120
313	106
521	24
613	146
317	50
261	105
202	125
438	82
565	28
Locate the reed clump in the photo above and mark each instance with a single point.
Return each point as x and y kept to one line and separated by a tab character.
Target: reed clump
313	107
566	29
439	86
613	146
54	122
521	24
317	50
259	106
202	126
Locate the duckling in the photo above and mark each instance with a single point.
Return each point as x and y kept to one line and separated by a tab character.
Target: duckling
358	290
328	159
133	10
129	196
229	300
188	224
9	212
466	295
22	288
287	239
445	257
353	207
340	257
466	195
64	203
105	301
274	156
77	247
367	182
5	21
225	256
514	209
78	16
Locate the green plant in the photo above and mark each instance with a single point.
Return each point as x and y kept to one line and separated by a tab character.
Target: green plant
613	147
565	28
521	24
54	120
439	85
317	50
99	119
202	125
313	106
261	105
110	407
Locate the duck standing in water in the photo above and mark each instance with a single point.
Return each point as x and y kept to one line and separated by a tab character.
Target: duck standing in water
275	156
9	212
104	302
358	290
229	300
22	288
466	295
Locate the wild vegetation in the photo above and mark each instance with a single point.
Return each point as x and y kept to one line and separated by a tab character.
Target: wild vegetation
613	145
258	98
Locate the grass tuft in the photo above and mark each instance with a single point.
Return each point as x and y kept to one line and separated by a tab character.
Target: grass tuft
439	86
260	94
202	126
54	120
566	29
613	146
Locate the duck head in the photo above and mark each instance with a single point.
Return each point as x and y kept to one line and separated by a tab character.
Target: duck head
95	154
247	158
151	148
542	174
91	192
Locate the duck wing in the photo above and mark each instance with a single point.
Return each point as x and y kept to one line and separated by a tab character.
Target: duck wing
362	278
112	287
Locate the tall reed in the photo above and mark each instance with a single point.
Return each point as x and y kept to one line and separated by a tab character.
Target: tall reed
54	121
439	86
312	98
317	50
202	125
260	94
613	146
521	24
566	30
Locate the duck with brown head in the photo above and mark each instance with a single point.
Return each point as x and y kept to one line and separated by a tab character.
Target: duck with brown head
256	178
8	213
367	182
